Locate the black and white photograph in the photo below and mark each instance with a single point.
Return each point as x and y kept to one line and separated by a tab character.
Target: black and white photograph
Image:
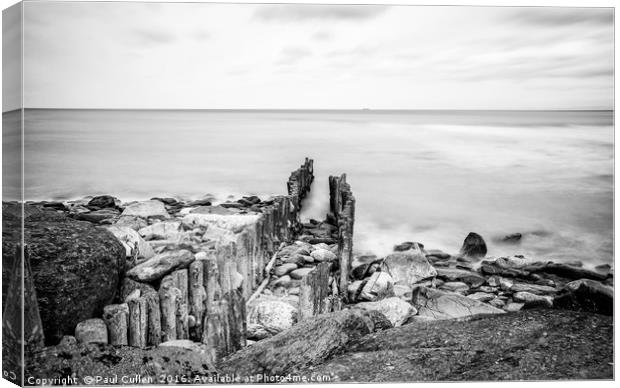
307	193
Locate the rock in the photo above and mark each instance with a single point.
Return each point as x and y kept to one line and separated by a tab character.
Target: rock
395	309
532	288
218	210
285	281
321	255
408	267
68	341
284	269
195	347
166	201
300	273
603	269
108	215
160	265
474	246
532	345
452	274
446	305
92	331
482	296
353	289
162	231
402	291
513	307
586	295
135	246
512	238
270	317
575	263
497	302
459	287
104	201
531	300
407	245
378	286
146	209
438	254
305	344
76	267
129	287
565	271
135	223
199	202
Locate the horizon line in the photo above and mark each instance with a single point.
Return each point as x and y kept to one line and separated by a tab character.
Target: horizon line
320	109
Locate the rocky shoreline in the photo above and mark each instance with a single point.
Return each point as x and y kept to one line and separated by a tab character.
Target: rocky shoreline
245	287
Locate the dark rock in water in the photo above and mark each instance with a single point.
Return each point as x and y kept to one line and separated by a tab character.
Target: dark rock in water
199	202
512	238
407	245
103	201
234	205
252	199
305	344
76	268
438	254
586	295
474	246
538	344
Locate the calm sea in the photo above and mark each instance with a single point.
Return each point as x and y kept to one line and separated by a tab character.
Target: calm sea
427	176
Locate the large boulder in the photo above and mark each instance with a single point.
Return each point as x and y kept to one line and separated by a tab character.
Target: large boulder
146	209
305	344
270	317
438	304
104	201
586	295
76	267
161	265
408	267
395	309
474	246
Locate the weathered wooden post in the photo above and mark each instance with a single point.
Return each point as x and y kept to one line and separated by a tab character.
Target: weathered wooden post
116	318
138	324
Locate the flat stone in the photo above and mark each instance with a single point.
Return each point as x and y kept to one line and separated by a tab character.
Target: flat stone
447	305
482	296
284	269
270	317
452	274
300	273
146	209
162	231
513	307
321	255
459	287
160	265
532	288
531	300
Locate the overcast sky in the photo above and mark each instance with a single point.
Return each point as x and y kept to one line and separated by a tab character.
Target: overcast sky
149	55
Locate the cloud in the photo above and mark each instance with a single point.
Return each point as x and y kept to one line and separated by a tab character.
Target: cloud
292	55
322	36
152	37
296	12
557	16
